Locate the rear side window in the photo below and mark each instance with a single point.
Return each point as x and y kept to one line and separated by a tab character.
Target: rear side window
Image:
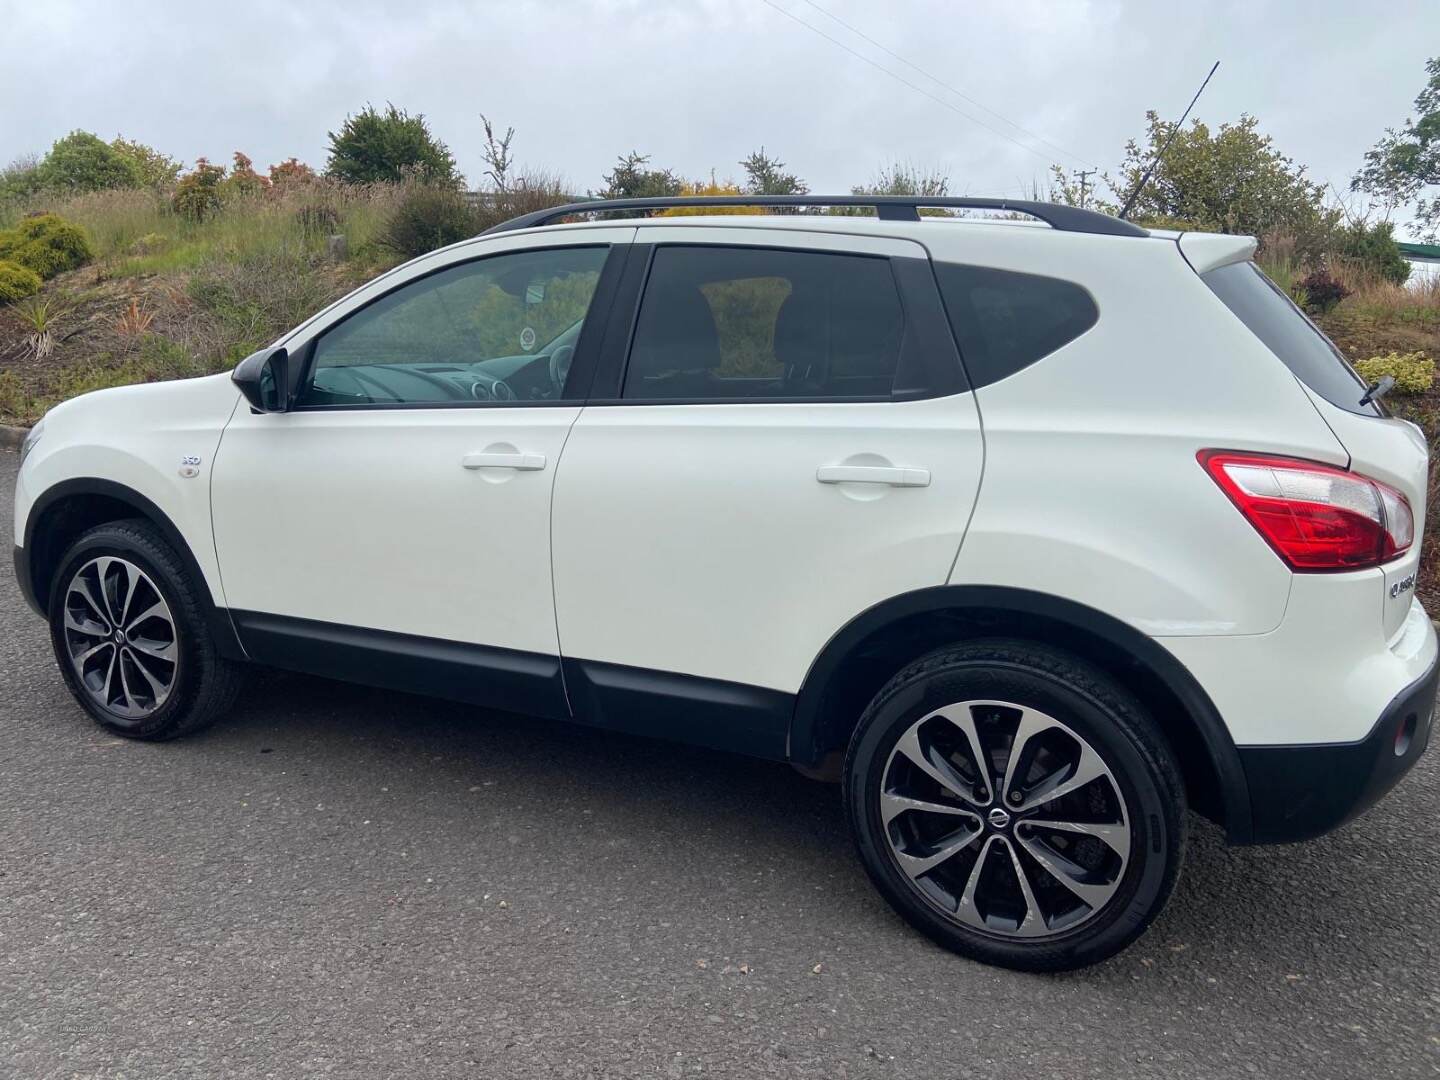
1004	321
719	323
1273	317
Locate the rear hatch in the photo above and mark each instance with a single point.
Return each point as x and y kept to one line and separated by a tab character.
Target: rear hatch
1380	446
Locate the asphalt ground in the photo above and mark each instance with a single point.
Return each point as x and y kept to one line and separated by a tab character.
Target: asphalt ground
344	882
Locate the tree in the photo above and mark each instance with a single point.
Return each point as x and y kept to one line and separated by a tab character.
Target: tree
153	168
1404	163
292	172
385	147
85	162
900	178
243	179
198	193
1232	181
765	175
632	180
21	178
497	155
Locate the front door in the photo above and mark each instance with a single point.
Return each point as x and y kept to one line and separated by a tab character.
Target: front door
394	527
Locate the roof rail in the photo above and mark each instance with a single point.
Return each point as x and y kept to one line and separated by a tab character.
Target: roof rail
887	208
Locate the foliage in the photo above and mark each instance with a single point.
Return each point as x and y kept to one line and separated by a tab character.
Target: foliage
291	172
428	216
902	178
151	168
243	179
386	147
1372	248
765	175
710	190
198	194
1321	291
17	282
498	161
1404	163
39	314
631	179
1414	373
82	161
46	244
1231	181
21	178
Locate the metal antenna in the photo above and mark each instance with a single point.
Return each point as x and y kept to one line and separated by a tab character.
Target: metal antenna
1130	202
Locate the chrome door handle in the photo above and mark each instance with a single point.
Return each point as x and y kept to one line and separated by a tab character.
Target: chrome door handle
492	460
873	474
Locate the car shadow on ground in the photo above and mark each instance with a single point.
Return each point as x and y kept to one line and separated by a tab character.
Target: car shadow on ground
1298	906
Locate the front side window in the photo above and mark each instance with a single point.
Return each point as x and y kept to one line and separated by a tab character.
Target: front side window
720	323
498	329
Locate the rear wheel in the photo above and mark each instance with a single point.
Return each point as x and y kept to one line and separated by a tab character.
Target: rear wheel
129	635
1016	805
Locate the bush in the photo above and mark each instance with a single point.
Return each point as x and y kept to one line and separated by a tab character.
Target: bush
1413	372
85	162
428	216
197	196
17	282
372	146
1321	291
46	244
1373	248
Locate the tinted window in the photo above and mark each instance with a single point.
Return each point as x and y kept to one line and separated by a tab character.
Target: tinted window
1004	321
720	322
498	329
1273	317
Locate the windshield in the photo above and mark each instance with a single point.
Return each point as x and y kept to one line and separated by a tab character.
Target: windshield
1288	332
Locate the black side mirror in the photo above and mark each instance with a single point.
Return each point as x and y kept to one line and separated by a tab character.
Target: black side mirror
264	378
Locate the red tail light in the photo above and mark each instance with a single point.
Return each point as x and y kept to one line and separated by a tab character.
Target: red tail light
1316	517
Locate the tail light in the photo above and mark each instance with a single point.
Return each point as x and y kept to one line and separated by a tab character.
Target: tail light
1316	517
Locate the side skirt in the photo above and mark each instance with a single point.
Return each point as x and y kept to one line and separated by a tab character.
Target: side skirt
734	717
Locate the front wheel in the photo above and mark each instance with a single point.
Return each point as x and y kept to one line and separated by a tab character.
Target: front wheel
129	634
1016	805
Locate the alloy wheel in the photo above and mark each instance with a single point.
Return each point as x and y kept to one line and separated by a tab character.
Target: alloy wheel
120	637
1005	819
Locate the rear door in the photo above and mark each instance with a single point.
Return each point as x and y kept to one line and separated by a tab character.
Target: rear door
783	440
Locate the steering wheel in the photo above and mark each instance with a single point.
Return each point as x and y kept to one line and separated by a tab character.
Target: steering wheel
560	361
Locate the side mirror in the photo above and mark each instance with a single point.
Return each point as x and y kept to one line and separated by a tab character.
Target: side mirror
264	378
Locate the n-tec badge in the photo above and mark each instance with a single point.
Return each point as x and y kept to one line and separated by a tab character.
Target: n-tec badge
1407	582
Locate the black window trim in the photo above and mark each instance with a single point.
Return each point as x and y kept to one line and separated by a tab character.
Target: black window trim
581	367
915	286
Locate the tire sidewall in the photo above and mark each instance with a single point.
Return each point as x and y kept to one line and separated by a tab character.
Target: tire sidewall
119	542
1154	820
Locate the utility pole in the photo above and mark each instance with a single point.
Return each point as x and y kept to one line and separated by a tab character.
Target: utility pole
1083	173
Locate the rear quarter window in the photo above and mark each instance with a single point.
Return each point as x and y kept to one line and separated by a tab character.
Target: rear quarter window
1005	321
1288	333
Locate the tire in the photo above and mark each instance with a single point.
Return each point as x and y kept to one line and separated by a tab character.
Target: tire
144	695
913	750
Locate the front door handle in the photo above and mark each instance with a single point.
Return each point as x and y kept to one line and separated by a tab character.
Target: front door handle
498	460
873	474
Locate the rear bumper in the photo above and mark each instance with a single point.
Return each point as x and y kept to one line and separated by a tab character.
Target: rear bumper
22	576
1299	792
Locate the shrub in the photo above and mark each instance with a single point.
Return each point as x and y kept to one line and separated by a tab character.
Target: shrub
373	146
1413	372
85	162
197	196
46	244
154	169
1373	248
243	179
291	173
428	216
1321	291
17	282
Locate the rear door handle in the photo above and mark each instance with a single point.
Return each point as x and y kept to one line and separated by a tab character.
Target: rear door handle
873	474
495	460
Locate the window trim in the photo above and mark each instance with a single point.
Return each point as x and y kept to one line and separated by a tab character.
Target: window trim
581	366
926	329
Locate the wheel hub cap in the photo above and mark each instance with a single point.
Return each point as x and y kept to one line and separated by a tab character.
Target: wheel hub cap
1051	857
120	638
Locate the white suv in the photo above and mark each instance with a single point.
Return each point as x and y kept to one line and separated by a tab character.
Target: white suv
1033	533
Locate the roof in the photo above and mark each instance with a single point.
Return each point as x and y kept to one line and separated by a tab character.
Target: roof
1420	251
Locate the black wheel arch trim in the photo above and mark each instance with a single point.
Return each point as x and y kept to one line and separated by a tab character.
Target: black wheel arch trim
806	746
217	618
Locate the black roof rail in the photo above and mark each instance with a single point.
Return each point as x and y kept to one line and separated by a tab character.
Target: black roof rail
886	207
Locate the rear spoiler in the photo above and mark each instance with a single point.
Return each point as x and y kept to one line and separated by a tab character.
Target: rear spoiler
1209	251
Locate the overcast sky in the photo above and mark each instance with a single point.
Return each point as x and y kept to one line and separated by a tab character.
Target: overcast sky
700	84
